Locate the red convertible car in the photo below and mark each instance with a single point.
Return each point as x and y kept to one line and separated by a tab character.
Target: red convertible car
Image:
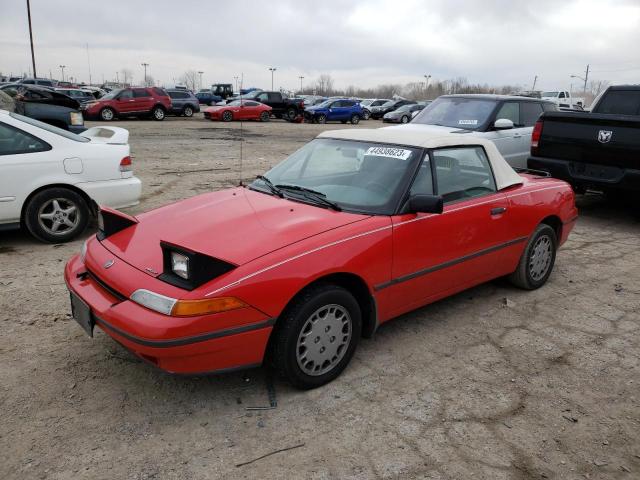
239	110
353	229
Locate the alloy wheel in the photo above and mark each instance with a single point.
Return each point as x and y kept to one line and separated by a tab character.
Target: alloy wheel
58	216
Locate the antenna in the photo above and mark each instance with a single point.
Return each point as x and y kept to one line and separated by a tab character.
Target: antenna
241	137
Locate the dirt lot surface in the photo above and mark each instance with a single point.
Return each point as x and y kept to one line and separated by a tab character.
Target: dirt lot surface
493	383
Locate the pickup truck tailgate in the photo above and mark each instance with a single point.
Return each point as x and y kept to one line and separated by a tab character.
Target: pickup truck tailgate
610	140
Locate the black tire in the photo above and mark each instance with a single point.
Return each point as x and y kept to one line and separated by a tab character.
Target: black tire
52	202
291	113
107	114
227	116
264	117
343	121
404	119
321	118
158	113
285	349
355	119
187	111
537	260
366	114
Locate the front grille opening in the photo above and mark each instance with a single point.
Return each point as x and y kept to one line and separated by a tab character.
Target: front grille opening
113	292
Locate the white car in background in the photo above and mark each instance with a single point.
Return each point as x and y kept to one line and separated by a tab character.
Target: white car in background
506	120
51	180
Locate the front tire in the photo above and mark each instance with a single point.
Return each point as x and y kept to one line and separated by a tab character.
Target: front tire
316	336
322	118
537	260
107	114
158	114
366	114
56	215
227	116
355	119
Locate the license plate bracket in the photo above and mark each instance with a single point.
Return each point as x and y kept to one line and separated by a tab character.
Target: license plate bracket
82	314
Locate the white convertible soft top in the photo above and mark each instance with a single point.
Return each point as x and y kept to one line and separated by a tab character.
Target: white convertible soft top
505	175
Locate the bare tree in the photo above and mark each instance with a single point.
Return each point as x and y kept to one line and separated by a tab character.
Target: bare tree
324	84
150	82
190	79
126	76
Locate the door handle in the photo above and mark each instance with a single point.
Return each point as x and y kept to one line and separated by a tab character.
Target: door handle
498	210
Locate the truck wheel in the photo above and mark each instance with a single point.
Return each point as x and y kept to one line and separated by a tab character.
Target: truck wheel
264	116
355	119
56	215
187	111
107	114
322	118
316	336
158	113
537	260
291	113
227	116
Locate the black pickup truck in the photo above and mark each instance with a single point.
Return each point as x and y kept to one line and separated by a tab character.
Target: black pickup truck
597	150
283	107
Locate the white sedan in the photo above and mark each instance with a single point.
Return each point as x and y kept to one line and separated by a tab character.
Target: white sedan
52	180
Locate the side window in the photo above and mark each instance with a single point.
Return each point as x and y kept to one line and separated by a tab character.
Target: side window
423	184
14	141
125	95
159	91
463	173
275	97
529	113
510	111
263	97
140	92
336	104
348	103
250	104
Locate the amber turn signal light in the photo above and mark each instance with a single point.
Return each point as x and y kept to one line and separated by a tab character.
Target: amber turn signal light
190	308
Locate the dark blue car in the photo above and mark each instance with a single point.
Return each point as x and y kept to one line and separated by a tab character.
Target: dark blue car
206	97
334	110
183	103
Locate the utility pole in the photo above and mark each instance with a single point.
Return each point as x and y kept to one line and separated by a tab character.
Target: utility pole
235	78
62	67
117	79
535	80
33	57
586	76
272	69
145	65
301	78
200	73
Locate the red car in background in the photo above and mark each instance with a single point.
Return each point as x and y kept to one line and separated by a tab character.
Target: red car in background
239	110
352	230
144	102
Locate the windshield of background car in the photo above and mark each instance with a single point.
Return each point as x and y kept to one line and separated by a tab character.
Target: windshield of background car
404	108
50	128
112	94
549	94
377	103
390	103
458	112
362	177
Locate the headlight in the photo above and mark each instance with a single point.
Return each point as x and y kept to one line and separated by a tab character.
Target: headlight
180	265
76	118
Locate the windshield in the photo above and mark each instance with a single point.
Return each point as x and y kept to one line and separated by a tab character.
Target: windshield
377	103
236	103
404	108
366	102
389	103
361	177
112	94
324	104
549	94
50	128
458	112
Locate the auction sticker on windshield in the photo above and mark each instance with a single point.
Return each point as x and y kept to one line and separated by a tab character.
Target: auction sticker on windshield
399	153
467	122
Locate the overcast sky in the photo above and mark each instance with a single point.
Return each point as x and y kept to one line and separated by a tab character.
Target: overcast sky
359	42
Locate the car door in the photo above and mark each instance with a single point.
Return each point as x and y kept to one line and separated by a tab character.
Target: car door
125	102
142	100
22	157
435	255
336	111
276	102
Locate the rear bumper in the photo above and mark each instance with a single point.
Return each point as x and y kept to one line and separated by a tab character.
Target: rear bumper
607	179
194	352
117	193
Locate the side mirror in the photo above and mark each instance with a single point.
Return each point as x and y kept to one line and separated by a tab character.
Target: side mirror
503	124
423	203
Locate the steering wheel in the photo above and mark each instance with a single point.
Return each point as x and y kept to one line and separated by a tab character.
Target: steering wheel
378	187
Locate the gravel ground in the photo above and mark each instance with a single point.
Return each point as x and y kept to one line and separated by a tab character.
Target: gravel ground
492	383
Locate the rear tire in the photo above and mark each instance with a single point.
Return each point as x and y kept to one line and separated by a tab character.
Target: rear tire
158	113
187	111
316	336
355	119
537	260
291	113
404	119
56	215
264	117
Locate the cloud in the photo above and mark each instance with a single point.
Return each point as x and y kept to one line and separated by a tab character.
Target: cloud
361	43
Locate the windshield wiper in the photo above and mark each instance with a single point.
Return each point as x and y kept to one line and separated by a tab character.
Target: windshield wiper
310	194
272	188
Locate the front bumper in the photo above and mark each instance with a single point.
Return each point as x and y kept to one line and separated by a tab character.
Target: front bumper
589	176
185	345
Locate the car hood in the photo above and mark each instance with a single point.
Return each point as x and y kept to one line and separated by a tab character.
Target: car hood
235	225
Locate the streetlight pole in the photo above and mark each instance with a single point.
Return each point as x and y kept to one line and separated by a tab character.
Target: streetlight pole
272	69
62	67
33	57
235	78
426	83
301	78
200	73
145	65
584	79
